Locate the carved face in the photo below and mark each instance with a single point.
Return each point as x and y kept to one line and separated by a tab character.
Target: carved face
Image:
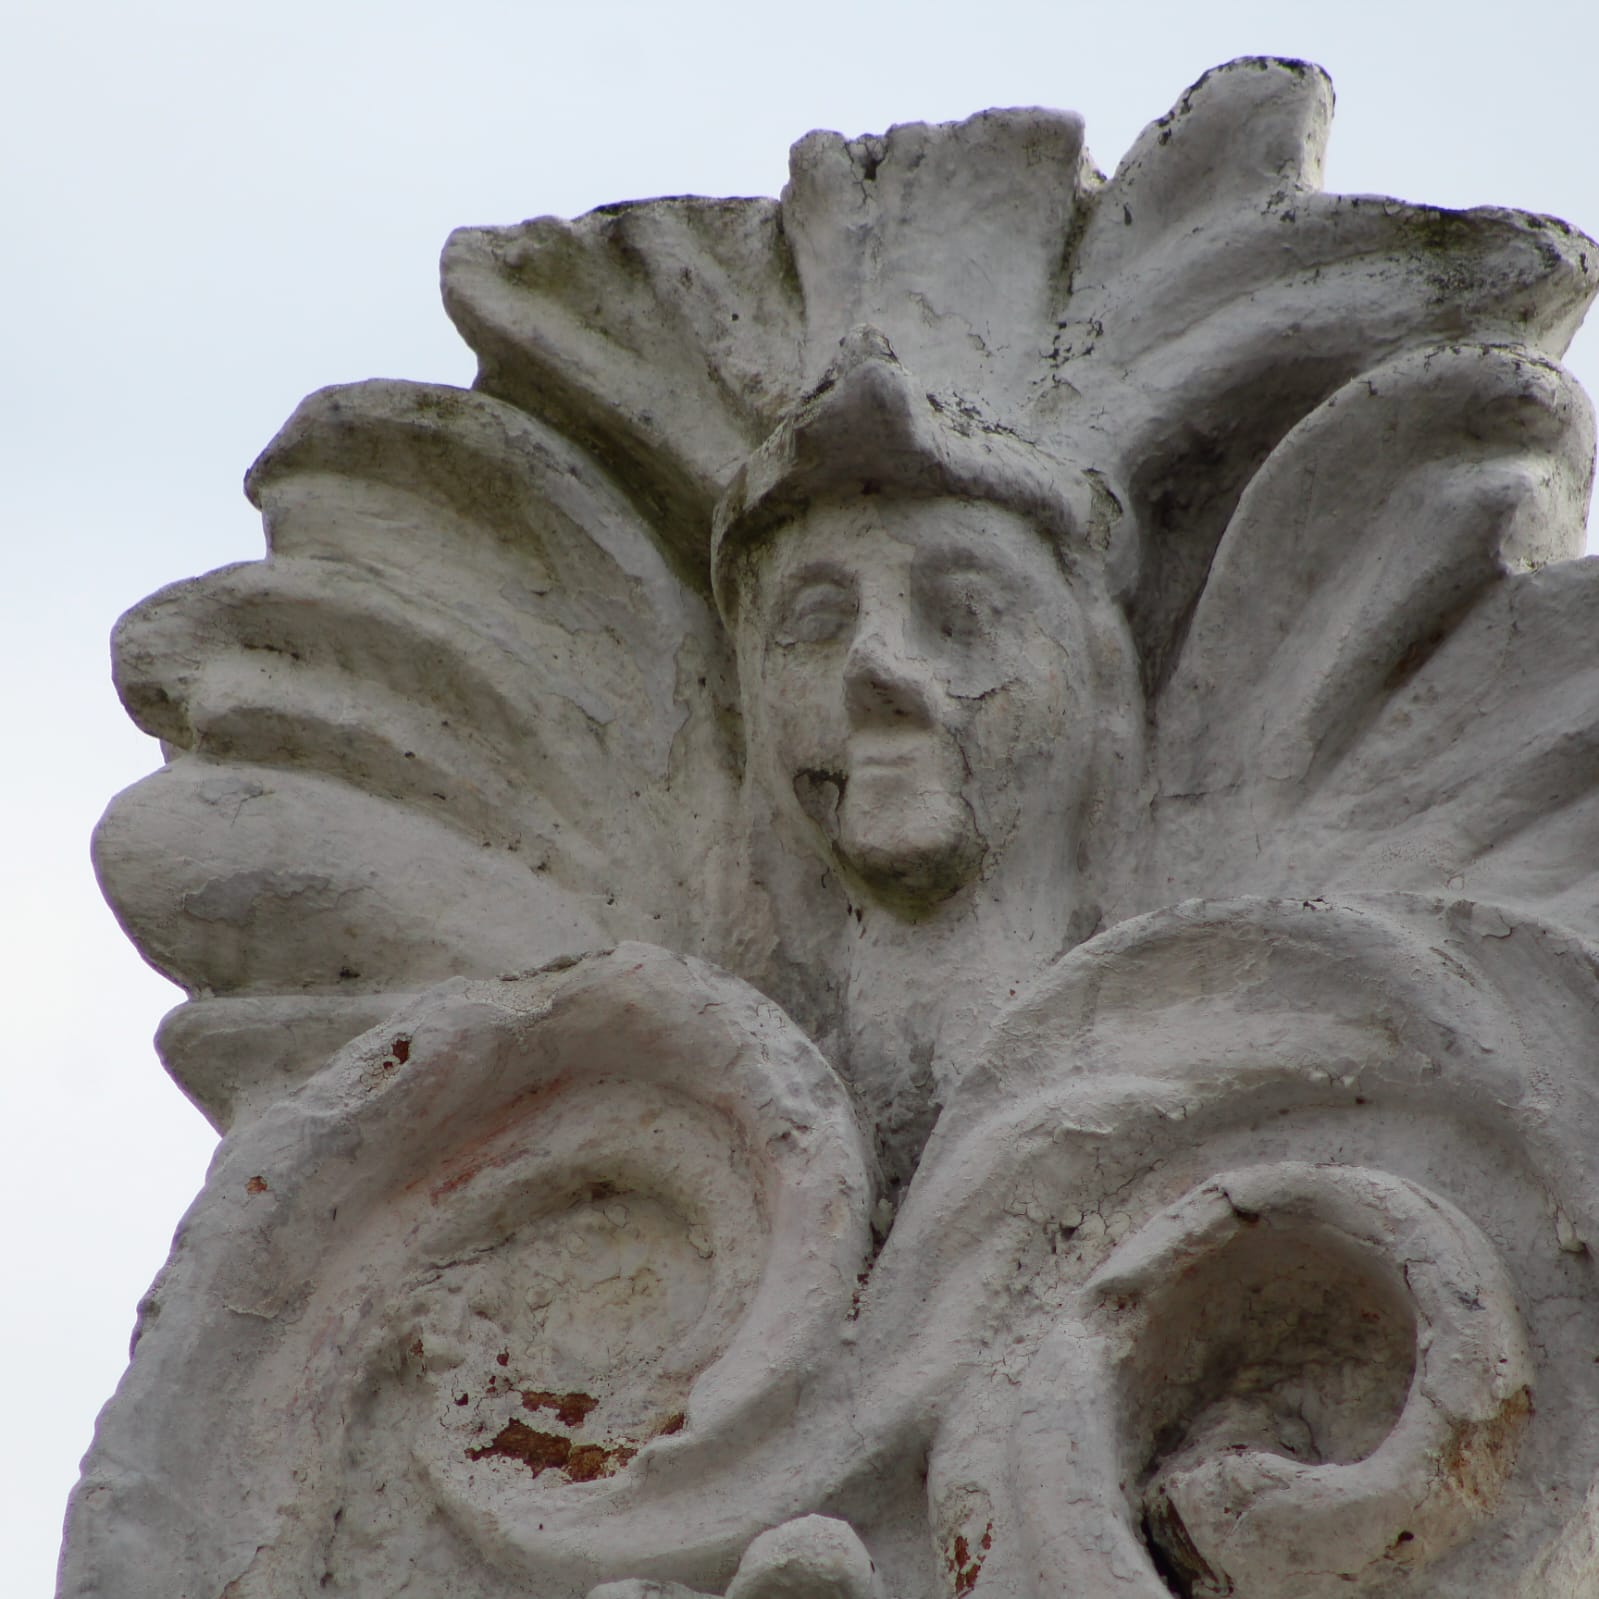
915	686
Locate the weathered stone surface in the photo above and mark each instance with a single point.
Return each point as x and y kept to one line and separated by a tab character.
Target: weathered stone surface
910	913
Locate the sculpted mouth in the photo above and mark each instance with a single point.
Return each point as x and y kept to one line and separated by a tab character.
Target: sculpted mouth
878	751
879	761
886	739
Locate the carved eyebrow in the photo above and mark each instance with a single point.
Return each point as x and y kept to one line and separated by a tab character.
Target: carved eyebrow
811	574
959	555
963	562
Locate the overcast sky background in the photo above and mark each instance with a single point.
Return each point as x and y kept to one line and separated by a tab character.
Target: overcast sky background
214	209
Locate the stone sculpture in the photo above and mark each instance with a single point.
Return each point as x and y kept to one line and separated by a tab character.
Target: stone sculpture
910	913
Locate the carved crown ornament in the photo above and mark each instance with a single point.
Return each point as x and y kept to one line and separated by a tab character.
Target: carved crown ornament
910	913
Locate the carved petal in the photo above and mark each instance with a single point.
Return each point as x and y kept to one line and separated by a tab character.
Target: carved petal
950	238
661	336
1218	297
1384	681
462	720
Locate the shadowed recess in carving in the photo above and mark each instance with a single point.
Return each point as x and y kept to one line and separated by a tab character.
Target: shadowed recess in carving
1290	1340
1322	1377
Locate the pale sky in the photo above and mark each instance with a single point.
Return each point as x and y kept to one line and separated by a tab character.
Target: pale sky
214	210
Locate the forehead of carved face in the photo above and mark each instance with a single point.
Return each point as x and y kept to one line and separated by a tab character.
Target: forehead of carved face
915	686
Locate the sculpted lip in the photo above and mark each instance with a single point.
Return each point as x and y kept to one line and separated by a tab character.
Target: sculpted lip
882	760
879	749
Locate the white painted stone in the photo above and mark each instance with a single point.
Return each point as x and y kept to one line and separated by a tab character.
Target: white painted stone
910	913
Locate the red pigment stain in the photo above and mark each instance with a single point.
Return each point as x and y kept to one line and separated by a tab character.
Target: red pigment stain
571	1410
588	1461
963	1565
548	1451
538	1451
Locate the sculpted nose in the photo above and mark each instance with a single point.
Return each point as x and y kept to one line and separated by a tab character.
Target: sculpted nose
883	681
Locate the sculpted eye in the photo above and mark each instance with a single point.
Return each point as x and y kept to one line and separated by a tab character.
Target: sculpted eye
815	614
964	607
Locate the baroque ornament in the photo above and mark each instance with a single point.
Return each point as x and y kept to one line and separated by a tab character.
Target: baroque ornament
910	913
